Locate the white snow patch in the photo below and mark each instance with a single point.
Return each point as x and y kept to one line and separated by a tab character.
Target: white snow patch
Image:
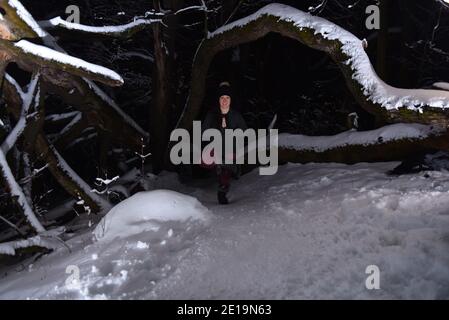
143	211
309	232
142	245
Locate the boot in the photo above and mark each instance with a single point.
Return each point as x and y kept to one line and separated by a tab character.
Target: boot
222	199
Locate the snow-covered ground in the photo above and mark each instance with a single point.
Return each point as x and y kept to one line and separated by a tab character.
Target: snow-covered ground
308	232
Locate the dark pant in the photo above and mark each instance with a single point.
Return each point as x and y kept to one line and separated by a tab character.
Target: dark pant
225	172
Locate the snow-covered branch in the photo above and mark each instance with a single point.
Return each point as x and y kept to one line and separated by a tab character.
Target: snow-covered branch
33	95
17	194
354	56
119	31
44	57
48	240
8	177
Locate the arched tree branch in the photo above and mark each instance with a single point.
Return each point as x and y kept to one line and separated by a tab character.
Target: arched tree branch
346	50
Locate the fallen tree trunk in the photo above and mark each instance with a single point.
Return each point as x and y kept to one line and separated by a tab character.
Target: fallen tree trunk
370	146
47	240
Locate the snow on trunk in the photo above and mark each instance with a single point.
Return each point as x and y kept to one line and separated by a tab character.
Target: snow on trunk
51	55
9	248
17	192
105	30
363	138
48	239
63	165
27	18
33	94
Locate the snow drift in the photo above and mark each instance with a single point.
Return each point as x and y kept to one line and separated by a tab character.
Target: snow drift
143	212
308	232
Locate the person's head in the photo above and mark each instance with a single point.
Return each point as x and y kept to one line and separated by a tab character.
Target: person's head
224	96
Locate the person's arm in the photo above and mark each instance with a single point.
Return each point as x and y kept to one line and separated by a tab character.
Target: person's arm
241	122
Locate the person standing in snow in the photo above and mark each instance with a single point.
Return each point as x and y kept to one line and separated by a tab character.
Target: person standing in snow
222	118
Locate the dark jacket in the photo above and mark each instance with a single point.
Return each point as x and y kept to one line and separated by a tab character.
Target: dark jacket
214	119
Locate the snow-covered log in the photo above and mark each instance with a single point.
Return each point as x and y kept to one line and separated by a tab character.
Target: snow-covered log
46	240
346	50
390	143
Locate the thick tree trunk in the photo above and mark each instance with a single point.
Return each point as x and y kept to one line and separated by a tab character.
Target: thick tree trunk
164	84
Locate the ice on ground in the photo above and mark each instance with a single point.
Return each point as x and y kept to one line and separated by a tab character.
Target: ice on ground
143	212
308	232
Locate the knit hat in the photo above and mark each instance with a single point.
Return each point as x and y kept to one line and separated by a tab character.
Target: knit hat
224	89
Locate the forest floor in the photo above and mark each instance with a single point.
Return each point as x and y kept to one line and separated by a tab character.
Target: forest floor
308	232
